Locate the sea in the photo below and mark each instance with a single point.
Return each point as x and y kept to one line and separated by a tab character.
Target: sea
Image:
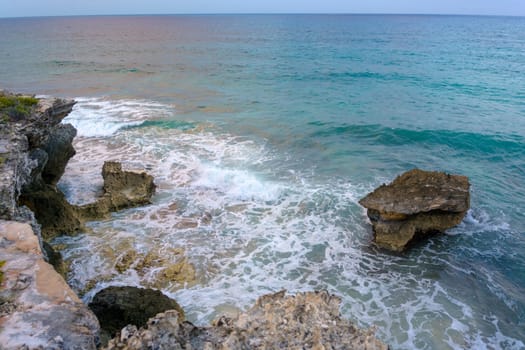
264	131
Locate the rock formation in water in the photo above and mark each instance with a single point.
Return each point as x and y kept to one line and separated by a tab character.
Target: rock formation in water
416	204
122	189
305	321
117	307
38	310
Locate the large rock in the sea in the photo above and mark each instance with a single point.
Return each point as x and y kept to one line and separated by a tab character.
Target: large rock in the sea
122	189
117	307
38	310
416	204
305	321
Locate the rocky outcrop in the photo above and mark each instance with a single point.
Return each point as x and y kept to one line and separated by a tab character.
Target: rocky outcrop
117	307
37	307
30	146
122	189
416	204
305	321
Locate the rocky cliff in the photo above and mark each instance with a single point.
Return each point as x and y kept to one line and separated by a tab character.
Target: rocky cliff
37	307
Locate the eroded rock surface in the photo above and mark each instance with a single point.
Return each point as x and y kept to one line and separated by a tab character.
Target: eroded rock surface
31	146
305	321
416	204
38	310
122	189
117	307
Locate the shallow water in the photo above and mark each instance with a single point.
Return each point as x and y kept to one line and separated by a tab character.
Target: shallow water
263	132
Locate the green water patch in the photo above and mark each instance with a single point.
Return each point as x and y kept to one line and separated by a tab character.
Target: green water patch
480	144
166	124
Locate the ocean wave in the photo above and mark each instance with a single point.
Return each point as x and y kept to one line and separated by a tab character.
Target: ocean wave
103	117
483	144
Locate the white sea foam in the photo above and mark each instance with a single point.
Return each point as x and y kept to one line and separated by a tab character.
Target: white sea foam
249	231
101	117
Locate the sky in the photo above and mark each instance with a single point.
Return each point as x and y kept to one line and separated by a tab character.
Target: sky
29	8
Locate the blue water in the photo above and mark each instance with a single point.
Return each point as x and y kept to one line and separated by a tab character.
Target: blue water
275	126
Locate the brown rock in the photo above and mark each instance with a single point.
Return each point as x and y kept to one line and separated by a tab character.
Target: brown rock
305	321
417	203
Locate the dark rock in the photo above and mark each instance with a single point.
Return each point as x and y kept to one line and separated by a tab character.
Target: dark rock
117	307
53	212
305	321
55	259
416	204
59	147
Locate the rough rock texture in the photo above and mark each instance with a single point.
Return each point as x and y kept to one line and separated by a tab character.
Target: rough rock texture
417	203
37	307
122	189
117	307
304	321
27	145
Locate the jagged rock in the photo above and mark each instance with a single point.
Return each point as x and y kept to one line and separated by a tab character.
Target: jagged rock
122	189
53	212
126	188
117	307
305	321
59	148
416	204
37	307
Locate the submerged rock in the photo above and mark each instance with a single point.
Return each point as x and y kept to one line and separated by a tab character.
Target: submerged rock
305	321
38	310
117	307
416	204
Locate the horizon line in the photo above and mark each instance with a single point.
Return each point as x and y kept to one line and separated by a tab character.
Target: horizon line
267	14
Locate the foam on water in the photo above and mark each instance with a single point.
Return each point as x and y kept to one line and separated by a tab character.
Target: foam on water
249	230
102	117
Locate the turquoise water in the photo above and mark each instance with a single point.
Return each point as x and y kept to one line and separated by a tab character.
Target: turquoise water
266	130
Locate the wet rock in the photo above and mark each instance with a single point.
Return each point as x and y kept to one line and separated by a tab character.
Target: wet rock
55	259
416	204
164	269
38	309
117	307
122	189
126	188
53	212
305	321
59	148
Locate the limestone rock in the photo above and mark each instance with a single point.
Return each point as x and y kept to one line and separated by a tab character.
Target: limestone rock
126	188
417	203
117	307
37	307
122	189
305	321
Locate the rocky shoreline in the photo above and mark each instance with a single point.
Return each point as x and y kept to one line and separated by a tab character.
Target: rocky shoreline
38	310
